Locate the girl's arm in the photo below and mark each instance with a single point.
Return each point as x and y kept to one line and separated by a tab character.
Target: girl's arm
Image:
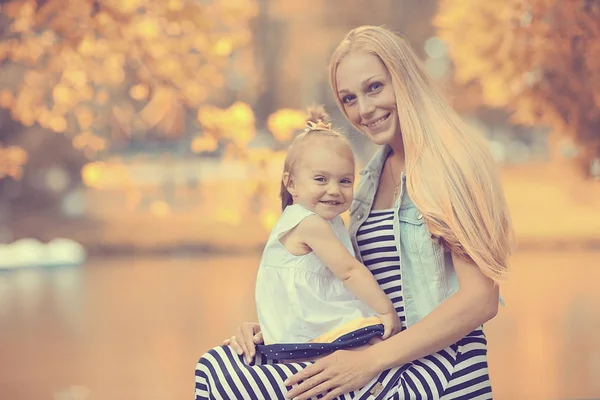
474	303
318	234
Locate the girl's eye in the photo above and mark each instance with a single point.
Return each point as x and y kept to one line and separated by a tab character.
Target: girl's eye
375	86
320	179
347	99
346	181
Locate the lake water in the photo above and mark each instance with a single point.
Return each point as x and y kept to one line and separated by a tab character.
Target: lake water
133	328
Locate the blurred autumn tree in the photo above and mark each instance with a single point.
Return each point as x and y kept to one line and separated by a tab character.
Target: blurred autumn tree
103	71
538	58
99	73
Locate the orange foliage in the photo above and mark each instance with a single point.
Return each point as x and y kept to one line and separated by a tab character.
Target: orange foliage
539	58
12	159
92	65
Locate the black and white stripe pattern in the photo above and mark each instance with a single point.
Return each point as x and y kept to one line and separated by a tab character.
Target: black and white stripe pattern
378	250
456	372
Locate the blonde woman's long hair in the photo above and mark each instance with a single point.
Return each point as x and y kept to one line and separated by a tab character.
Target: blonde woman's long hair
452	177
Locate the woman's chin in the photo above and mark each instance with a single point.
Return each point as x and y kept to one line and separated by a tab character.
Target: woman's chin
381	138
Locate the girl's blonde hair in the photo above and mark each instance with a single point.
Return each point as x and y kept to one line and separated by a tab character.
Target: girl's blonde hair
318	125
451	175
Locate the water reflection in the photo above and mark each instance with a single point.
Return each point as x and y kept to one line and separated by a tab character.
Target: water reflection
133	328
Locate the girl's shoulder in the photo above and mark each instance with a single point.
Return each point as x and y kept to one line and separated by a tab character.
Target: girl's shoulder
290	218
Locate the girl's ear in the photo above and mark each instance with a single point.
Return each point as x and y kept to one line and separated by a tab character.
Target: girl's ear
288	182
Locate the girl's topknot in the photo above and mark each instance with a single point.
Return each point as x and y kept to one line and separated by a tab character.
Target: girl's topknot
316	113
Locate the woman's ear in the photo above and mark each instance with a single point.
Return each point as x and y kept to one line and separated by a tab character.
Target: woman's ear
288	182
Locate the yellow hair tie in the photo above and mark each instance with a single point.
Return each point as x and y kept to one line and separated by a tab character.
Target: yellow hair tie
318	126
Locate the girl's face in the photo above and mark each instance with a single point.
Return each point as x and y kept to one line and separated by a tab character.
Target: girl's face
323	177
365	90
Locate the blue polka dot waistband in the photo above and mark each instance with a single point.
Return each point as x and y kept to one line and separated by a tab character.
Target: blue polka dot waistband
349	340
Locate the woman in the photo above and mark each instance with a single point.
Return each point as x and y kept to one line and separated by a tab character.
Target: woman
428	219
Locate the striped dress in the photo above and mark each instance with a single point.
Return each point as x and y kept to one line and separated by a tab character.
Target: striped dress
456	372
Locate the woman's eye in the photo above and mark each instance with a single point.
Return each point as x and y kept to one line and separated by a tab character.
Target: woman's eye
347	99
375	86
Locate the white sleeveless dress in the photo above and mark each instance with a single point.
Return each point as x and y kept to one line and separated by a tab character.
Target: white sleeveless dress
298	298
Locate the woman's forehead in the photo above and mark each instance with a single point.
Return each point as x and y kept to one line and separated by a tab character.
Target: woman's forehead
356	67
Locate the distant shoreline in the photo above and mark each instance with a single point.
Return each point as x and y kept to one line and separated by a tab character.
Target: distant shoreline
185	250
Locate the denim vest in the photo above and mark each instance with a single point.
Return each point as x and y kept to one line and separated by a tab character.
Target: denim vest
428	275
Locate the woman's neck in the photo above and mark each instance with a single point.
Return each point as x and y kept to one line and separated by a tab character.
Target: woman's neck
396	158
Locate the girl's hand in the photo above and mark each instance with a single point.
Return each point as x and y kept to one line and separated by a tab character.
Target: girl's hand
391	323
244	342
339	373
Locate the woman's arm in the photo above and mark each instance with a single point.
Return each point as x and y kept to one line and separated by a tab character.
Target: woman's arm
343	371
474	303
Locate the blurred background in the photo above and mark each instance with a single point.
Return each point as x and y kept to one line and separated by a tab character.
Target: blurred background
141	145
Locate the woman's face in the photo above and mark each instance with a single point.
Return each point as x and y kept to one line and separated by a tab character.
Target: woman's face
365	90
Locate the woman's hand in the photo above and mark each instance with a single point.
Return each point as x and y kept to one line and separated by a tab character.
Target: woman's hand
244	342
339	373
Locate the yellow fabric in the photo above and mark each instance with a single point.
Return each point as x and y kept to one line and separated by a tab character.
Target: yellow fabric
348	327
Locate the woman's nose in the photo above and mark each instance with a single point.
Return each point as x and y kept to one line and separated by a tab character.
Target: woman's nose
365	108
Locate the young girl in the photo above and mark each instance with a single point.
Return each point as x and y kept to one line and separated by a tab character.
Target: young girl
310	288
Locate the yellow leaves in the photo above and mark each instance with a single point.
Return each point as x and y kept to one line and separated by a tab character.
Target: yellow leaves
241	113
23	14
123	116
235	124
223	47
102	97
194	94
158	50
173	29
13	9
87	47
89	143
229	216
61	94
168	67
23	106
174	5
83	58
201	43
43	117
12	160
158	106
85	117
160	209
139	92
103	175
269	218
6	98
113	66
125	6
58	123
75	77
47	38
204	144
283	123
241	124
536	57
148	29
91	174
